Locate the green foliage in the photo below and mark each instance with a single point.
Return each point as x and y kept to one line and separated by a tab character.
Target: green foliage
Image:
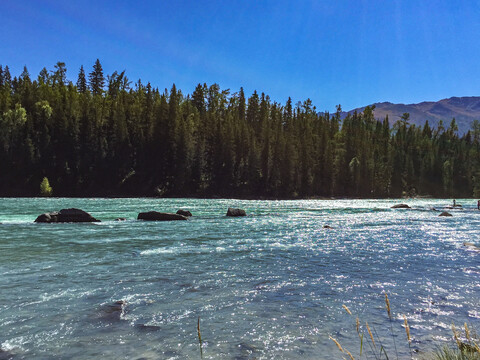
447	353
45	188
103	137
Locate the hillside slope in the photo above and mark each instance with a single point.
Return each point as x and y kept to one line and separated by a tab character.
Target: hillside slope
463	109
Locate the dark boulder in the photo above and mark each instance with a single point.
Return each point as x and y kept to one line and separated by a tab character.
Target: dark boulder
236	212
66	216
445	214
327	227
184	213
159	216
401	206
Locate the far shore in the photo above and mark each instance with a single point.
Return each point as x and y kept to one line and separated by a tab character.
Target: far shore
234	197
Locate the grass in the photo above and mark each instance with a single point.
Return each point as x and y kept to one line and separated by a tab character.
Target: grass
448	353
466	343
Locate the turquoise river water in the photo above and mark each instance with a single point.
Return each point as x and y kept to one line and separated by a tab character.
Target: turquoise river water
270	285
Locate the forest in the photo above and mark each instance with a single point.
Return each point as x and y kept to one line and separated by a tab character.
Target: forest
103	135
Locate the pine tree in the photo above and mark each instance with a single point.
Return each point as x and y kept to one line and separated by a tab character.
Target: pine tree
59	76
7	78
96	79
43	77
81	81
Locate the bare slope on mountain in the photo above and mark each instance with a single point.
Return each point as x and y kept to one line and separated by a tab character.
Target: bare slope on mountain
463	109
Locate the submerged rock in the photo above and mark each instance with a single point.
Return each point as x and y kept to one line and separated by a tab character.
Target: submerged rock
456	206
184	213
6	355
236	212
159	216
66	215
120	219
400	206
471	246
113	312
445	214
147	328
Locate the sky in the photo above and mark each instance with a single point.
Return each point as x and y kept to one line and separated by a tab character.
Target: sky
352	53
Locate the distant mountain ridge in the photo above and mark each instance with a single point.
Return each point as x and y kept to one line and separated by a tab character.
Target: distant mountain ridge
463	109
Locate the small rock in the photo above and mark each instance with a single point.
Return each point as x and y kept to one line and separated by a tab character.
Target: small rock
120	219
184	213
236	212
327	227
159	216
445	214
471	245
401	206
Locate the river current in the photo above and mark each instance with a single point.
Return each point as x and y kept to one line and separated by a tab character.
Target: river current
269	285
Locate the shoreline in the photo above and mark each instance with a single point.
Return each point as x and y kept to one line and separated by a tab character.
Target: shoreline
247	198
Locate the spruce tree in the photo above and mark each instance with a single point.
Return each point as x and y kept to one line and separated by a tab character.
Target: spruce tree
7	78
81	81
96	79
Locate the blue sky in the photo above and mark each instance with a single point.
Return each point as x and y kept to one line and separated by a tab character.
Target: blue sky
351	53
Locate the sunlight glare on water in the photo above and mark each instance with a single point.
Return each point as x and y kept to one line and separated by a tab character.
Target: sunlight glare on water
269	285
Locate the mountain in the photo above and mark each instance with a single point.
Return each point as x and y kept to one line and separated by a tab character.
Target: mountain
463	109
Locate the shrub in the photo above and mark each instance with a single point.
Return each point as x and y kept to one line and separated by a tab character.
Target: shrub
45	188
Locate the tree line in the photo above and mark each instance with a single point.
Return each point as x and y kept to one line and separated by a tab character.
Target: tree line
104	136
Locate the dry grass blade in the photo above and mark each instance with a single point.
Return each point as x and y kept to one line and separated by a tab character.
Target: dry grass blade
200	338
351	356
387	302
455	336
358	325
407	329
371	335
347	309
338	344
467	332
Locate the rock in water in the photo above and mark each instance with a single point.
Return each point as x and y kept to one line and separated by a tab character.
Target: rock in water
147	328
236	212
401	206
47	217
159	216
184	213
471	246
327	227
114	311
66	215
445	214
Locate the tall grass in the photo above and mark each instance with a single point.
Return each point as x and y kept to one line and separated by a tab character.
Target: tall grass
466	345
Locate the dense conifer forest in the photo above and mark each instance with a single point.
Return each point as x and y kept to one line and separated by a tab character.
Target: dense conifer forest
106	136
